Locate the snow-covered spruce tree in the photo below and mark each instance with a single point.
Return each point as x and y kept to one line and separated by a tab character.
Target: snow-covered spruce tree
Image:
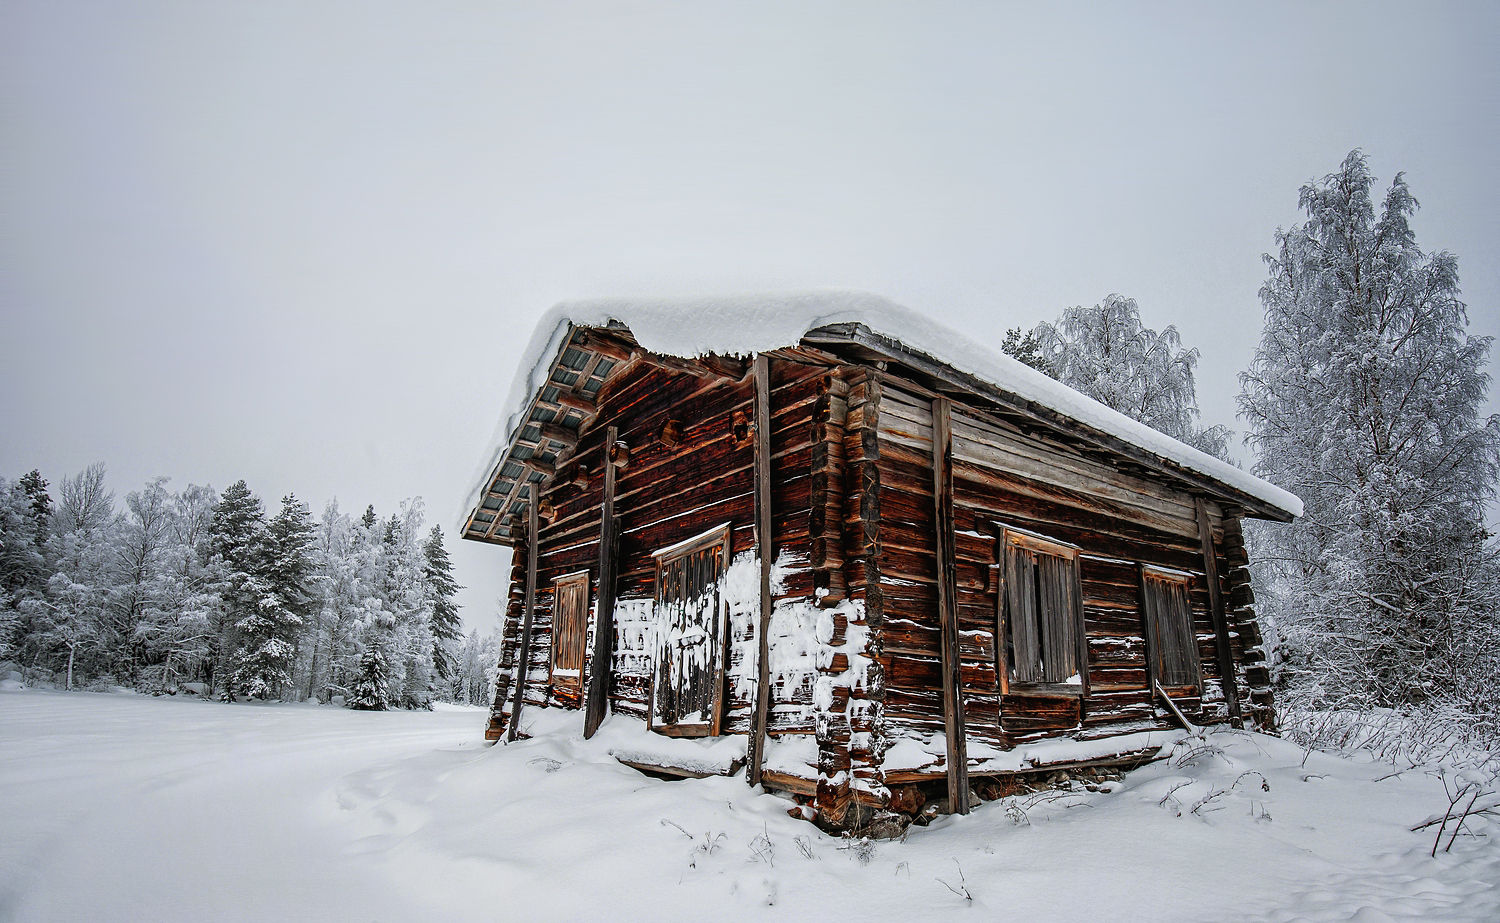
1363	399
23	567
236	548
1105	353
267	635
442	611
371	690
1026	348
39	503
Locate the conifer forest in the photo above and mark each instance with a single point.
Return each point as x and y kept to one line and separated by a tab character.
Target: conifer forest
209	592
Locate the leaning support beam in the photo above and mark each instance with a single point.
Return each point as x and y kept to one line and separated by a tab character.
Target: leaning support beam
1216	610
947	587
604	611
523	656
765	549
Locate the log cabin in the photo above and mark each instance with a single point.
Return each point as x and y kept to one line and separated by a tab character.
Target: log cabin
875	557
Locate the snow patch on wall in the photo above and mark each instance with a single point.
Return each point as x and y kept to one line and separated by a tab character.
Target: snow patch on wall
740	591
635	636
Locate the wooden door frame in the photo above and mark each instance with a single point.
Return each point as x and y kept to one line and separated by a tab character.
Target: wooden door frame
718	641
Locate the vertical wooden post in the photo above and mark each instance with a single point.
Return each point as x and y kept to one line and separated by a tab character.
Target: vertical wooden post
523	656
765	548
947	586
1216	609
604	612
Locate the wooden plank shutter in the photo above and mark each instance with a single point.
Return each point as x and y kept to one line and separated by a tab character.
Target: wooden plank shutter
1169	628
1024	621
690	628
1042	626
570	604
1059	637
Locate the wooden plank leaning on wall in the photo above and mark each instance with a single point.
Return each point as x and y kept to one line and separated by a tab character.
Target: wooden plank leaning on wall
604	615
947	587
765	549
1216	609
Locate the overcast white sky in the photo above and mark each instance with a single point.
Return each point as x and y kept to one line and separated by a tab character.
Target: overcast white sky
303	243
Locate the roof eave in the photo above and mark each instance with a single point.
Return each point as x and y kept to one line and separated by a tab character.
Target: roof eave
947	378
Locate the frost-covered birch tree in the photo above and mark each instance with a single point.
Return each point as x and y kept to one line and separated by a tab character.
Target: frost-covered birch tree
1364	400
1104	352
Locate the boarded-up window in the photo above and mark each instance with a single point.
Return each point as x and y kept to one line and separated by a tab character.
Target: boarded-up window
1040	613
570	611
1170	644
689	660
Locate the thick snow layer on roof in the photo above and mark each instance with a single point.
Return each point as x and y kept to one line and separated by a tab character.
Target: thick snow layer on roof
743	325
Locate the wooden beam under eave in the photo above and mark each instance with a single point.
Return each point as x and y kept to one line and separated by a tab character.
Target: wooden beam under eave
605	345
536	464
1216	610
765	549
604	609
947	586
523	656
576	401
560	434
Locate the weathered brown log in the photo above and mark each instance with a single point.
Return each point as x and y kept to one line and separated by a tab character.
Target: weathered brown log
561	434
765	550
604	616
1216	611
605	345
536	464
953	706
577	401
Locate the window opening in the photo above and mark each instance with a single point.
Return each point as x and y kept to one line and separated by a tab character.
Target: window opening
1041	615
1171	646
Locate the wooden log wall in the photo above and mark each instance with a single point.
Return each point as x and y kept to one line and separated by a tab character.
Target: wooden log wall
861	522
854	519
510	645
690	468
1249	646
664	494
1005	476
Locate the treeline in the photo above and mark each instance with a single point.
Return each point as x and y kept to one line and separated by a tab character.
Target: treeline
1365	399
208	592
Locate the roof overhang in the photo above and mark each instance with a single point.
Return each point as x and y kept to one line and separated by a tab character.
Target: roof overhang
857	342
580	345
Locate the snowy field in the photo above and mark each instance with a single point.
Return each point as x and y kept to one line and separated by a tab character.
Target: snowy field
120	807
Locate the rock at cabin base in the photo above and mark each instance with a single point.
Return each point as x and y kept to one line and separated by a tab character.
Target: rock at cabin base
886	825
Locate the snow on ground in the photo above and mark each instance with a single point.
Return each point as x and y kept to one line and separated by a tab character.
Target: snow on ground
120	807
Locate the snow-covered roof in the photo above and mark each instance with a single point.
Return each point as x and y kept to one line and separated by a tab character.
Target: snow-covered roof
746	324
